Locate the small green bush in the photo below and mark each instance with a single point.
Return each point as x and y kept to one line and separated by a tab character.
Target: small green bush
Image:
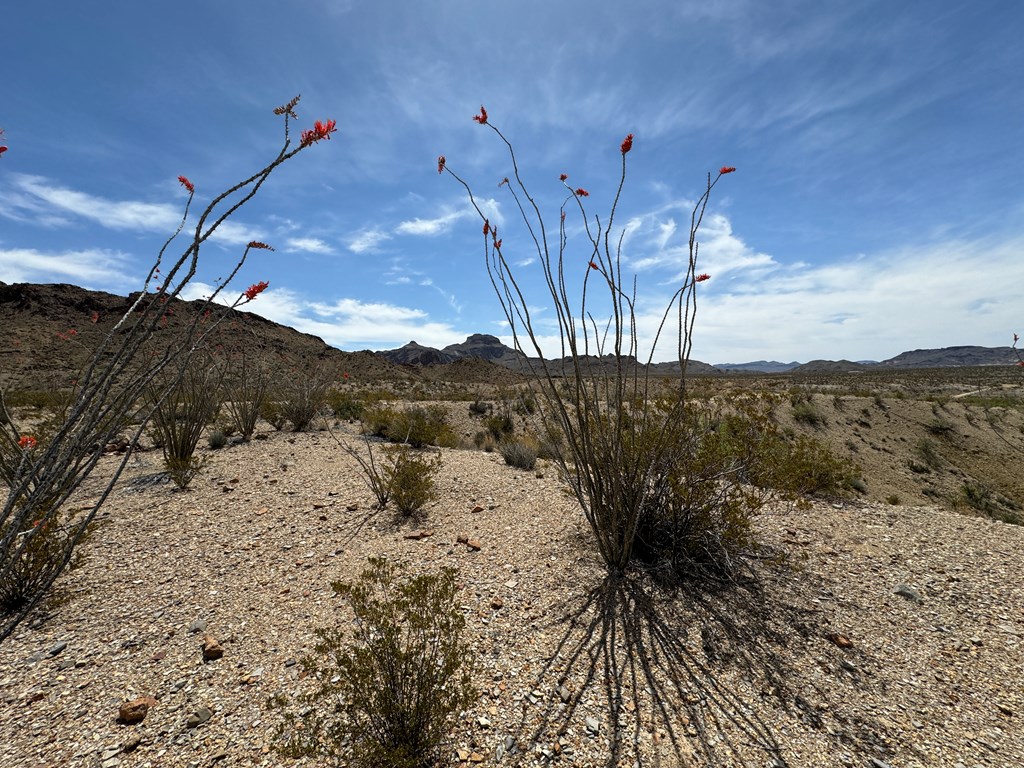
521	454
807	413
217	440
941	427
418	426
345	405
479	408
500	425
181	417
410	478
390	698
928	453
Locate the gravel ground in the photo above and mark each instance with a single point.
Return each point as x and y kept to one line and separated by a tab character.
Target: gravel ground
888	636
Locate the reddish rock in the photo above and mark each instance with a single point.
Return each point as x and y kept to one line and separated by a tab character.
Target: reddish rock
497	602
135	711
476	509
212	650
462	538
474	545
841	640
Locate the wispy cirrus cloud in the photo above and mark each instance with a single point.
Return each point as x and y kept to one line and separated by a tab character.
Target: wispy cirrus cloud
367	240
449	215
38	199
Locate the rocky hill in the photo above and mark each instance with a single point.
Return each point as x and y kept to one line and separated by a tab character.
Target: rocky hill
952	356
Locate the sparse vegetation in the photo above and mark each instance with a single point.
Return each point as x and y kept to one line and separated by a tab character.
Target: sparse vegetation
388	695
521	453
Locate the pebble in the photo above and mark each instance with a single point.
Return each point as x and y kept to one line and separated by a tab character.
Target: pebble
593	725
911	594
197	626
57	648
198	717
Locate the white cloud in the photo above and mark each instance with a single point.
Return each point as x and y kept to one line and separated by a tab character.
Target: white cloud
89	268
347	323
309	245
490	208
367	240
48	203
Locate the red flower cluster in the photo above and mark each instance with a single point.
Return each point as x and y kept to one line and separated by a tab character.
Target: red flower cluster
183	180
482	117
581	192
255	290
487	226
594	266
503	182
67	335
627	144
726	169
345	376
95	318
440	163
563	176
318	132
2	149
27	442
259	245
702	277
497	244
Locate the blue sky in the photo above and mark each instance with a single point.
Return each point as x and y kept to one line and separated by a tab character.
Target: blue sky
878	204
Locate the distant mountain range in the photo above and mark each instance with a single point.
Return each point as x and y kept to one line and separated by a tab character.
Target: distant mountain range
33	355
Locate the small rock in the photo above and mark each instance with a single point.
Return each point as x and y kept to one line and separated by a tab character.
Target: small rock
57	648
212	650
911	594
474	544
874	762
198	717
462	538
564	693
476	509
593	726
483	722
159	655
135	711
197	626
1004	708
476	757
841	640
497	603
131	744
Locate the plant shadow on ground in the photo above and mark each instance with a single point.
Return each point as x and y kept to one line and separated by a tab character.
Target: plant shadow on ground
693	664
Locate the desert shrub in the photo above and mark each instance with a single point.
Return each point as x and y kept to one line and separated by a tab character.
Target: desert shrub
410	476
301	396
182	415
928	453
345	404
807	413
625	452
500	426
217	440
479	407
521	454
389	696
940	427
272	412
245	396
397	474
418	426
986	500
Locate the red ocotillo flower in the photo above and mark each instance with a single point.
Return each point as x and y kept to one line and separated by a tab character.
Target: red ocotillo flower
187	184
27	442
259	245
726	169
627	144
318	132
594	266
702	277
581	192
482	117
255	290
487	226
563	176
440	163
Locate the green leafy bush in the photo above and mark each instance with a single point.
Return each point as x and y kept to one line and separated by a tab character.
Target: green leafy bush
807	413
390	697
398	474
418	426
217	440
345	404
300	396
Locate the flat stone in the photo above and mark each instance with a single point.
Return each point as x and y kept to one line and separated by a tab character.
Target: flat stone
908	592
593	725
198	717
197	626
57	648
